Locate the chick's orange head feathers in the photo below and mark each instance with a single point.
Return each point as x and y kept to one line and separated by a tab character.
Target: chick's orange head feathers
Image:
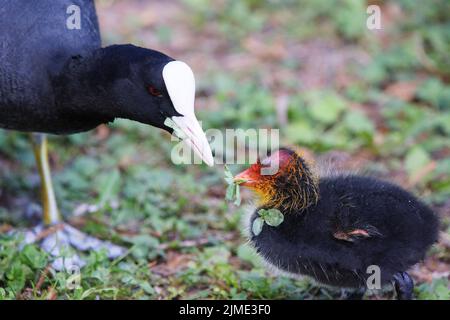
262	173
282	180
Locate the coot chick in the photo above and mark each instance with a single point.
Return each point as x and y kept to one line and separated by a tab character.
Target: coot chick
338	229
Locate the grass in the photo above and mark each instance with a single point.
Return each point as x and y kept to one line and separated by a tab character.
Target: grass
387	114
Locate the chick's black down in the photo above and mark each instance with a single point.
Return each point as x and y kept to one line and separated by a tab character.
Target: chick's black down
398	231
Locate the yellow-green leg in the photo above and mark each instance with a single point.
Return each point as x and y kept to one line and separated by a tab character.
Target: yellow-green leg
50	210
64	236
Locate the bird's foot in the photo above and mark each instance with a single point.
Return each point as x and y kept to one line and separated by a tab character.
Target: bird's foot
61	239
403	285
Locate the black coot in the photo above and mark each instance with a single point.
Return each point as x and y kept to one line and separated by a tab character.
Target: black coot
55	78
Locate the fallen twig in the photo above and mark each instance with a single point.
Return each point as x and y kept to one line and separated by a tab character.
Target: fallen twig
197	242
4	228
42	277
52	294
50	230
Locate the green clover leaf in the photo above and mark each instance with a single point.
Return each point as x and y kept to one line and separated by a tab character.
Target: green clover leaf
273	217
176	129
257	226
233	192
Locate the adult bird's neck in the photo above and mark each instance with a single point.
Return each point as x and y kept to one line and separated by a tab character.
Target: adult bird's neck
84	87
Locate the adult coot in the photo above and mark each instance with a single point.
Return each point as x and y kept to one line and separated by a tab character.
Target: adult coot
55	78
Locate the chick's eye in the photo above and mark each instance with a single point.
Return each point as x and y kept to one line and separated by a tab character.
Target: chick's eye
154	92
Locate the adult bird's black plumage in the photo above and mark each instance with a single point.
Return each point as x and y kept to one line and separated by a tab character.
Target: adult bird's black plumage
56	78
335	228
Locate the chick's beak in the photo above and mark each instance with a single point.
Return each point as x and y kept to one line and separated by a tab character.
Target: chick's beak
245	179
195	137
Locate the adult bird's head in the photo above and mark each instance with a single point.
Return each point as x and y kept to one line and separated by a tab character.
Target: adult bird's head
171	86
150	87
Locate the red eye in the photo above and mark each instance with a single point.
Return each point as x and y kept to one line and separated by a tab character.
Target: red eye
154	92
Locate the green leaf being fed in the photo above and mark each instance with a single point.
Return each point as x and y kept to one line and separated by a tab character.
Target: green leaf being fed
228	175
231	189
176	129
237	196
233	192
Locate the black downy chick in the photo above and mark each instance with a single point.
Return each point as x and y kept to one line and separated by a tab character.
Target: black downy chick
335	228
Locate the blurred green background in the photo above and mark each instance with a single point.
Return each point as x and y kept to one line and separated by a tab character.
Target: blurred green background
369	101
